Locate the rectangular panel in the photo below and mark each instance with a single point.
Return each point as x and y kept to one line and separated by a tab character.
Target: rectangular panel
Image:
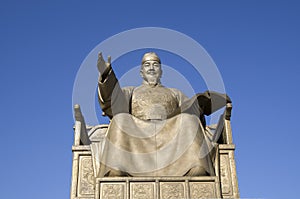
112	190
202	190
85	176
172	190
142	190
226	181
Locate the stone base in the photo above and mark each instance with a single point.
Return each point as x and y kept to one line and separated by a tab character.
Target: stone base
86	186
157	187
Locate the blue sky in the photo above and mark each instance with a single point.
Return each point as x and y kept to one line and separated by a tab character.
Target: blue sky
255	45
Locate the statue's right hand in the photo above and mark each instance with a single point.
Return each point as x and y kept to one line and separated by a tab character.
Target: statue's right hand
102	65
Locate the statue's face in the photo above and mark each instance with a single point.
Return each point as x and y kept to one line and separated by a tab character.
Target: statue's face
151	71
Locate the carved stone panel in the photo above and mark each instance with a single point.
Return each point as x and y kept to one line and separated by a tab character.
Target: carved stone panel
112	191
226	183
158	187
86	176
172	190
142	190
202	190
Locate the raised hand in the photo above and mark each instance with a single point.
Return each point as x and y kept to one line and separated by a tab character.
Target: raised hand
102	65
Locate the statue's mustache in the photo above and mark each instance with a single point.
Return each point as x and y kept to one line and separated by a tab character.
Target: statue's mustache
151	72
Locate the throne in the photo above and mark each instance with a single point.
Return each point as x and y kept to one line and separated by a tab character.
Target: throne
85	184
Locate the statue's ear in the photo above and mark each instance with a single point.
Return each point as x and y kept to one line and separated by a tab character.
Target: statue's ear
141	73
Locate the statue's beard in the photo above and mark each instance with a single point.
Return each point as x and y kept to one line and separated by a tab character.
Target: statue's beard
152	80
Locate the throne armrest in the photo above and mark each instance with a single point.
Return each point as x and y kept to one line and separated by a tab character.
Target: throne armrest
223	134
81	135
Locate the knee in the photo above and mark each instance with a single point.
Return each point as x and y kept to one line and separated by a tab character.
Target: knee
197	171
116	173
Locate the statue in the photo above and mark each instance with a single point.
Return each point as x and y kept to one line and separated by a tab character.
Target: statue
154	130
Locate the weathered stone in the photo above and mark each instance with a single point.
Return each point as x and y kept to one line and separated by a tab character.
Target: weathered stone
90	141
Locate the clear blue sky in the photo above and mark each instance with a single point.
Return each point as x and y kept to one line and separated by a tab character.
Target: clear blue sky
255	45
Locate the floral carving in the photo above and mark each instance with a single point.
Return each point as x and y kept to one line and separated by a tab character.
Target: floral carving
113	191
86	177
201	190
225	177
142	191
172	190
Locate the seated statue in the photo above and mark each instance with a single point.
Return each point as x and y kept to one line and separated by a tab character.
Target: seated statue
154	130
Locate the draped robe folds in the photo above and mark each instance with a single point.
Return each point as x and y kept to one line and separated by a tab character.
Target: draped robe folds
154	131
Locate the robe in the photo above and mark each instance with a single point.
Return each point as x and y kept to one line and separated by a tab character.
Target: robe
154	130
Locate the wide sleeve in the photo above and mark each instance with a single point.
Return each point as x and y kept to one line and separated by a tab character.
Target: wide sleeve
110	95
201	104
187	105
211	101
